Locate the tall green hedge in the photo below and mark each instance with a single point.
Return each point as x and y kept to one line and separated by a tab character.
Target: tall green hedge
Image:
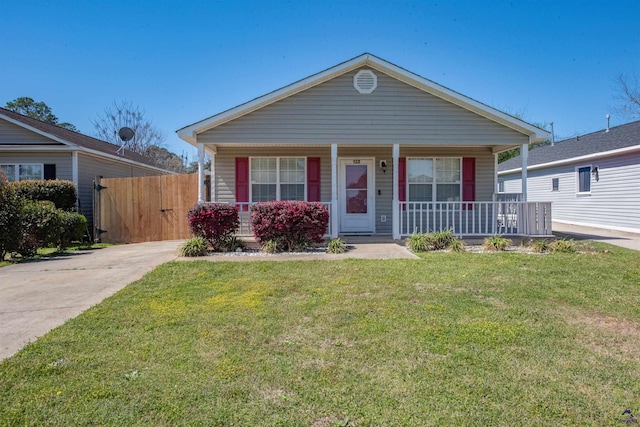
10	217
61	193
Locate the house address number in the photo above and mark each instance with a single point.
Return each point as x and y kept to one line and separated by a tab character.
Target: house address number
356	162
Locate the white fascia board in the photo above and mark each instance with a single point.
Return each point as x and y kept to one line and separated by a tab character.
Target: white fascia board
53	148
585	158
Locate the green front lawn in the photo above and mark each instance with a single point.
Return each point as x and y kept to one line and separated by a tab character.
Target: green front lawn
52	252
450	339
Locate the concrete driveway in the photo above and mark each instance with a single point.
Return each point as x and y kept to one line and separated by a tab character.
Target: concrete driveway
38	296
618	238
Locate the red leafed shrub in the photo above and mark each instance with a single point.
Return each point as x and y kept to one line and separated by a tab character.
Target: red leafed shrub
215	222
291	224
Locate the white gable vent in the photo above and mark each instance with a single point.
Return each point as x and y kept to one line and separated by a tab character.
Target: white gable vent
365	81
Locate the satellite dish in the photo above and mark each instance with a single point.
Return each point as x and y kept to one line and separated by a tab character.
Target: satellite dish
126	134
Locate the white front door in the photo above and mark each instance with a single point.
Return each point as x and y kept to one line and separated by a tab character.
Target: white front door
356	195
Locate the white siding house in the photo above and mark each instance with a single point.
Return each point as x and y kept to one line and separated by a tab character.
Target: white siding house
592	180
32	149
388	151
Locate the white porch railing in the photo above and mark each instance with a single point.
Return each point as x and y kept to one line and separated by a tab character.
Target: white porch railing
244	212
476	218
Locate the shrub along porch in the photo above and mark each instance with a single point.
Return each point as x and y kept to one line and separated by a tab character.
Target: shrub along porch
389	152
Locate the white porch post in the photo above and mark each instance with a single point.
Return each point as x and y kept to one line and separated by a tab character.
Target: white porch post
395	200
200	173
524	153
212	177
496	188
334	191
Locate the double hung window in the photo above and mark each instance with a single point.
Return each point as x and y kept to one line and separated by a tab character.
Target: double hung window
434	179
278	178
21	172
584	179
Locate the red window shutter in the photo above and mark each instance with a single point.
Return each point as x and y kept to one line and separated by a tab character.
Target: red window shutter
313	179
242	179
402	179
469	180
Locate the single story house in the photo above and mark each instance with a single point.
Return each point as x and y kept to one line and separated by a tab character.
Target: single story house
32	149
593	180
389	152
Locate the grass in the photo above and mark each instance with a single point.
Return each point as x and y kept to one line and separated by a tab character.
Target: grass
510	339
54	252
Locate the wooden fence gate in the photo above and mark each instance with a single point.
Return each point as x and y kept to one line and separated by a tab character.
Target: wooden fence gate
144	209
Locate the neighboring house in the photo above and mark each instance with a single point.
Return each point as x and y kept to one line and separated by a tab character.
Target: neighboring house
32	149
593	180
388	151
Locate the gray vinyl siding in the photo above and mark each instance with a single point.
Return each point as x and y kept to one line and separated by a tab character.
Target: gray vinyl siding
512	183
225	171
11	134
61	160
614	201
90	168
334	112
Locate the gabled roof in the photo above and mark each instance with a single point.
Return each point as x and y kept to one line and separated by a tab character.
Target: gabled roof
76	140
593	145
188	133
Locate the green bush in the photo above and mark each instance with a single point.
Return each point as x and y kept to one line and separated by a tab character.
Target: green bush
40	224
563	245
10	230
61	193
195	246
440	240
539	246
456	246
420	242
72	228
496	243
271	246
337	246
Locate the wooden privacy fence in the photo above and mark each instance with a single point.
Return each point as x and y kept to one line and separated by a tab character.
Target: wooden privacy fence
145	209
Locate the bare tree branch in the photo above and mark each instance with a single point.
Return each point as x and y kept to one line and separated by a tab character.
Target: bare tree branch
125	114
628	94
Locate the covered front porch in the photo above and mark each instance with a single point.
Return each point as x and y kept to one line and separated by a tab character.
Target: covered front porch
370	190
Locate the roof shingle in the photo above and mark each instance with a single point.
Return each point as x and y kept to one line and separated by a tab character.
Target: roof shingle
79	139
622	136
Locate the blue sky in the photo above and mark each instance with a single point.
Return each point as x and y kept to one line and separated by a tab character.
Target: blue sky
183	61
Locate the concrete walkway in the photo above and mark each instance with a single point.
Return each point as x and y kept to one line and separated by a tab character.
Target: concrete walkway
618	238
38	296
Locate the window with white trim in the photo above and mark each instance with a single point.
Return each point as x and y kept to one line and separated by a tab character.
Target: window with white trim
583	175
555	184
278	178
434	179
22	172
